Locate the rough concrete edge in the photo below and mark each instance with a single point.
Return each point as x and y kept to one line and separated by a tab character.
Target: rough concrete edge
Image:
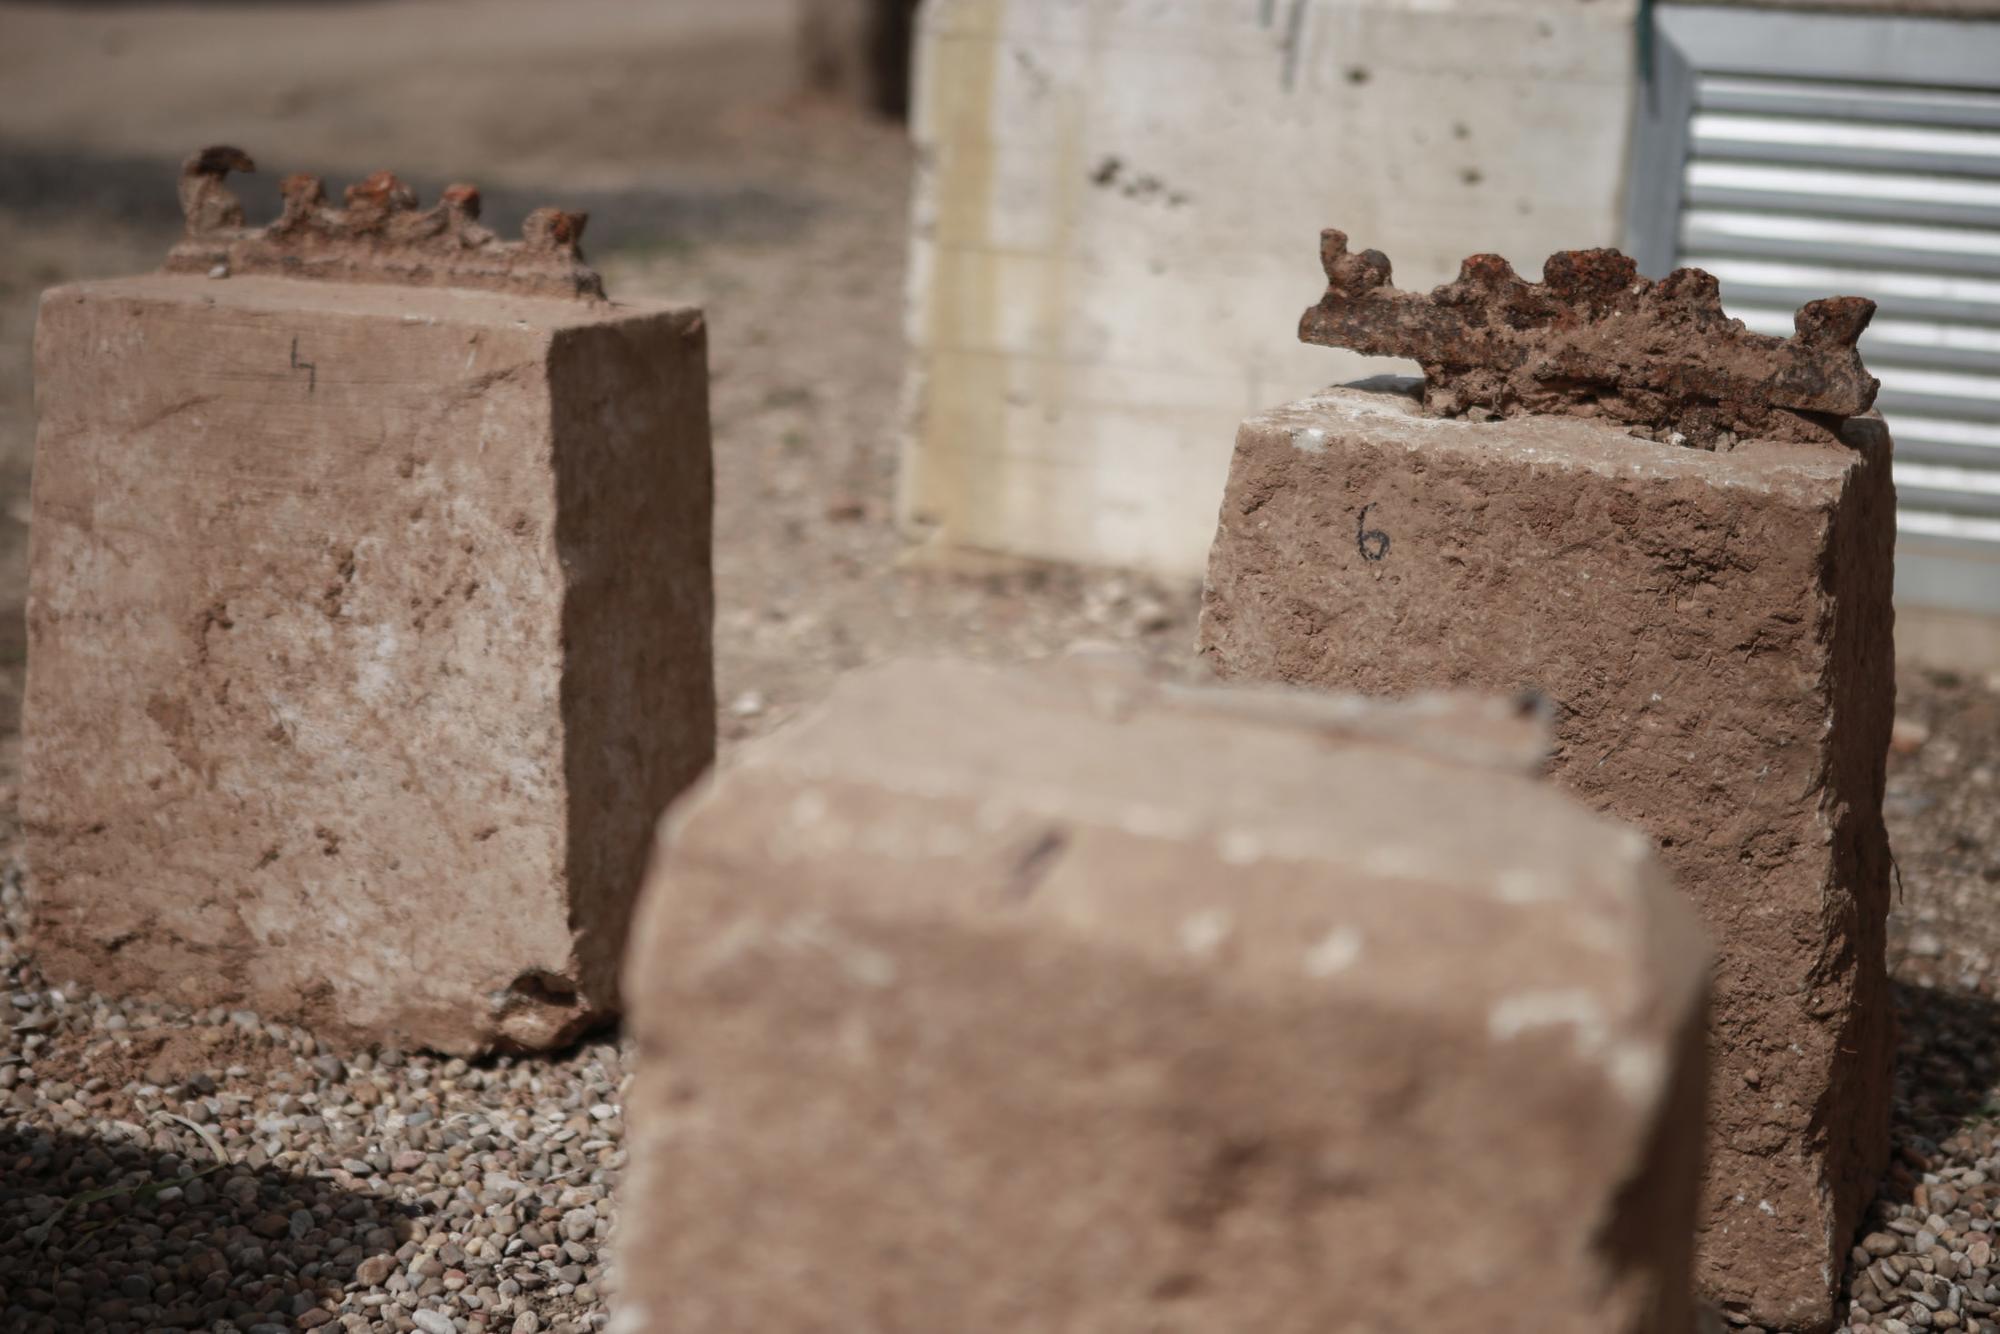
1861	656
594	964
1666	1183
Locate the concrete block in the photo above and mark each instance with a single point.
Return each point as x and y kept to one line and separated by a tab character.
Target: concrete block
368	636
1060	999
1714	631
1117	206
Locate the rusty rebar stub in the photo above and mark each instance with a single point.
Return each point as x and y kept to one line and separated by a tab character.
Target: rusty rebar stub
1594	339
380	236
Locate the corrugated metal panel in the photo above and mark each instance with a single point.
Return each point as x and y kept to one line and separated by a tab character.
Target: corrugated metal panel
1794	188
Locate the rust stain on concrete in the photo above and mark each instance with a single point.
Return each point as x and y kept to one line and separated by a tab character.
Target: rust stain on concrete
1595	339
381	235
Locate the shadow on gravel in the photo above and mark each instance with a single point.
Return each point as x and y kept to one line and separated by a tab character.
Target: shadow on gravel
1947	1062
1943	1109
139	192
122	1236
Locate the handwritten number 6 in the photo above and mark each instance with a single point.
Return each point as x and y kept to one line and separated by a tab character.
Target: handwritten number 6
1372	543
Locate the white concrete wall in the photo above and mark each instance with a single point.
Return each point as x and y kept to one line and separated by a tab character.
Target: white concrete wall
1117	222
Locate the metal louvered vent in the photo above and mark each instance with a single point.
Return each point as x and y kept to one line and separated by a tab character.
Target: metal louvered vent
1809	155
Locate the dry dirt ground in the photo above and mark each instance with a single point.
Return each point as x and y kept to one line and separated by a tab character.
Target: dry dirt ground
675	125
706	180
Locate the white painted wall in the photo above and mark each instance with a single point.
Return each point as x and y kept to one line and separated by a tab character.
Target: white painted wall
1117	219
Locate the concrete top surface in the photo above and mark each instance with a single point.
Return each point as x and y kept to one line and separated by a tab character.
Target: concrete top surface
448	305
1385	409
1184	816
1253	770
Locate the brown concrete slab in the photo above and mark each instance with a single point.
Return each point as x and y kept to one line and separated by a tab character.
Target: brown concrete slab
1715	634
369	632
1059	999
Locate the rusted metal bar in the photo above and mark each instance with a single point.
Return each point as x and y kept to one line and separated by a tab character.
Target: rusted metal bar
1594	339
381	235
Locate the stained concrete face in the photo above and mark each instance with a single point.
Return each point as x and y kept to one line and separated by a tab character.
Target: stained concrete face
1105	275
1714	631
1058	999
369	633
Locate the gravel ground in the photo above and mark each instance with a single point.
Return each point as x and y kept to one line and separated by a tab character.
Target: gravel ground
161	1170
1927	1256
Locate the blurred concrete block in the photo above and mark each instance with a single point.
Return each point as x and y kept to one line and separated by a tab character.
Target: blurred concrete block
368	635
1118	206
1059	999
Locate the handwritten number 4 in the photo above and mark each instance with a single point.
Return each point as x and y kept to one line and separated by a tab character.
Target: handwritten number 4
312	371
1372	543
